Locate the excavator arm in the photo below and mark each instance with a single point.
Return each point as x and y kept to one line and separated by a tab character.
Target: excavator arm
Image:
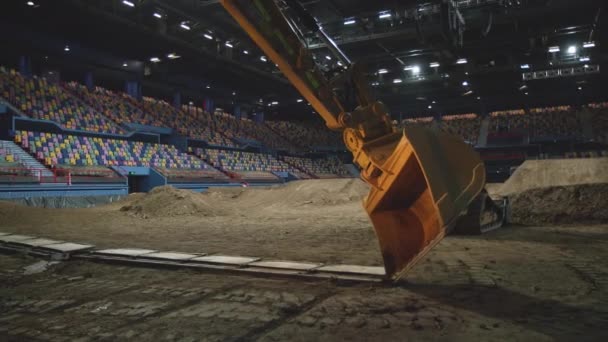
421	181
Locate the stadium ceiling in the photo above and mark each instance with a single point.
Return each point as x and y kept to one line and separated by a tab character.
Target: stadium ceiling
452	55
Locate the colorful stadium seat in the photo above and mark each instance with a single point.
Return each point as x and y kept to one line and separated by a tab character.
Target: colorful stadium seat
39	99
58	149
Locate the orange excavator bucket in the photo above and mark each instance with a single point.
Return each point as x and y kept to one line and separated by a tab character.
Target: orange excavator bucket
428	181
421	181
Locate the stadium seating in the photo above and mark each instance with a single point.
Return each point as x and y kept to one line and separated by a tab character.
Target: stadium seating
41	100
307	135
329	167
508	121
426	121
599	121
464	125
113	105
11	170
6	157
555	122
198	124
249	130
70	150
246	164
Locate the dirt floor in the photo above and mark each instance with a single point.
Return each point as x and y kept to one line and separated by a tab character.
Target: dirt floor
315	216
534	283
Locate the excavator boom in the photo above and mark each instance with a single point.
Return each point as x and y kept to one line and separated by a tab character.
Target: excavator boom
421	181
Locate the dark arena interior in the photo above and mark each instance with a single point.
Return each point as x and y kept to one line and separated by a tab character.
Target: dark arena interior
303	170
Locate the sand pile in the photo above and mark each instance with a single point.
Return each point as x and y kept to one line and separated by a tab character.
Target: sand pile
166	201
535	174
318	192
574	204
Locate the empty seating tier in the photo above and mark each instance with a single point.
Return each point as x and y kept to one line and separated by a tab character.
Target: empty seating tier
329	167
39	99
307	135
58	149
113	105
245	164
464	125
556	122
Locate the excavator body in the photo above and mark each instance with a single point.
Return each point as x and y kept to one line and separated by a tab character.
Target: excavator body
421	181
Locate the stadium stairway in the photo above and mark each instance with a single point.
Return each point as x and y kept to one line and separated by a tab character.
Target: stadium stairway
25	158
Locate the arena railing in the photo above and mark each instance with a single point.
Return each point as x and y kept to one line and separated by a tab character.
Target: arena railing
22	175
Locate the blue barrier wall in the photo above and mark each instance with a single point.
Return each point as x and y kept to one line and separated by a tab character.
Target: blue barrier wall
153	180
61	190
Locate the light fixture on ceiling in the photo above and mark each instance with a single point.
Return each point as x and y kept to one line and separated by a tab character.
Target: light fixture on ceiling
128	3
125	64
397	81
229	44
462	61
173	56
588	44
465	84
155	60
328	57
415	69
157	15
584	59
185	26
572	49
299	100
66	48
525	66
434	65
382	71
349	21
384	15
430	107
30	3
208	36
554	49
245	52
263	59
208	87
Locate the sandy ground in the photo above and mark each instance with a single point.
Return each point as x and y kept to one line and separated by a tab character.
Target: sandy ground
315	216
518	283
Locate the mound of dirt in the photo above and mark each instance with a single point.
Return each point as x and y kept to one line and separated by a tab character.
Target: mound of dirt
318	192
574	204
166	201
535	174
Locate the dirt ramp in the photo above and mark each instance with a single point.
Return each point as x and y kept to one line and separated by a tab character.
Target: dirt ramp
535	174
574	204
167	201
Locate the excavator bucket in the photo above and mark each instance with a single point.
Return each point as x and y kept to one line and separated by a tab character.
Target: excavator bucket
421	181
427	182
